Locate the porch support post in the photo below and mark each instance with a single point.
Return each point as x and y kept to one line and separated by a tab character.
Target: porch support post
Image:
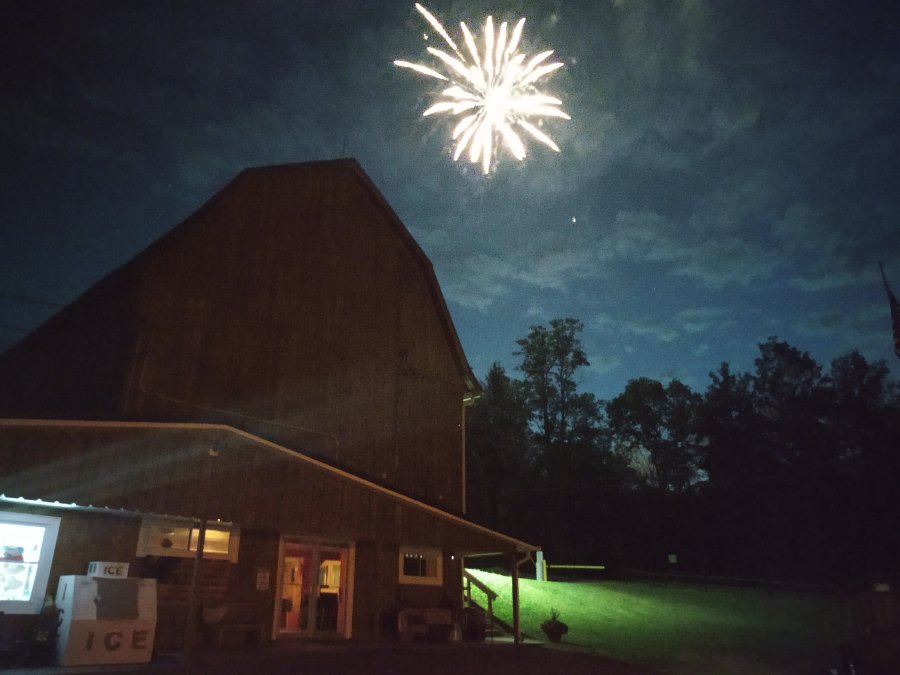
191	620
379	578
514	573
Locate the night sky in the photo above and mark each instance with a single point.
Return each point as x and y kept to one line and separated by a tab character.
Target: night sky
730	171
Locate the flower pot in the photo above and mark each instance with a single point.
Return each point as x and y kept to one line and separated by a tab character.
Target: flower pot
554	630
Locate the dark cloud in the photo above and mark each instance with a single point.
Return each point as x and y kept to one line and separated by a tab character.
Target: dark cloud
730	167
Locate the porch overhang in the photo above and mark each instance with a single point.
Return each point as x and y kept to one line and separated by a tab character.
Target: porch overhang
169	469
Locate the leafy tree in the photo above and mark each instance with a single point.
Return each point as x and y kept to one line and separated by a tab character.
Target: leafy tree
791	396
861	396
865	426
497	447
792	399
786	472
550	358
656	425
735	518
574	478
797	467
728	424
660	423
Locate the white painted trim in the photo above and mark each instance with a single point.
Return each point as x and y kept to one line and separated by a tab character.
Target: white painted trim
147	547
104	510
279	590
48	547
462	435
429	553
345	603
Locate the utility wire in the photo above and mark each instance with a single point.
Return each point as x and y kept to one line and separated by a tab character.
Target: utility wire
33	301
30	301
18	329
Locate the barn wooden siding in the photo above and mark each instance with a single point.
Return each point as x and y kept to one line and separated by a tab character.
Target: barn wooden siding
167	470
295	305
72	365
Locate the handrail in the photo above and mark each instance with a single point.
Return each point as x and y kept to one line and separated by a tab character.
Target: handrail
475	581
470	580
576	567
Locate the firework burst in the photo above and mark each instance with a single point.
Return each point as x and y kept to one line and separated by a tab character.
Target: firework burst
493	91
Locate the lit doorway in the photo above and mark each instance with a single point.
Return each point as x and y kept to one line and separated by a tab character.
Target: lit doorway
315	589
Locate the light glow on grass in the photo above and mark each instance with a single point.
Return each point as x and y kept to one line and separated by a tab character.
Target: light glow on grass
682	627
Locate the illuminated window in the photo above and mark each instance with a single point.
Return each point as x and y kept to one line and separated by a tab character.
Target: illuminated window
330	576
421	566
179	540
215	541
27	543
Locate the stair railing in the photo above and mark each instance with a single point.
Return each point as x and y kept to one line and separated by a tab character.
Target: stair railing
471	580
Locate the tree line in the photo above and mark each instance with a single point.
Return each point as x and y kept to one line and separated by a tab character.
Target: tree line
787	473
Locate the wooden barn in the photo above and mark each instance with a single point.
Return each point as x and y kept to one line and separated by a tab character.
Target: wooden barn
264	409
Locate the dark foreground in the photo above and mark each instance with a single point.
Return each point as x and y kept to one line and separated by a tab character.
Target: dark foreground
348	659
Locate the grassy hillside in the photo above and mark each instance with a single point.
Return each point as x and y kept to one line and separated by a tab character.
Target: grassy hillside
686	628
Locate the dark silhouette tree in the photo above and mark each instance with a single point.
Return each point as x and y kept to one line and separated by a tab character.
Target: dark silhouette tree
575	479
659	423
786	472
497	450
655	427
550	358
792	399
735	473
865	428
728	425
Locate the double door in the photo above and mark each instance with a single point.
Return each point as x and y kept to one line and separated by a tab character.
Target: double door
313	589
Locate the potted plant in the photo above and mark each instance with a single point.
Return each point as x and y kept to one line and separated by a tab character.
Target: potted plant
553	628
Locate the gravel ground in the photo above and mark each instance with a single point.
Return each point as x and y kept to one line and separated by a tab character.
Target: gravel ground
347	659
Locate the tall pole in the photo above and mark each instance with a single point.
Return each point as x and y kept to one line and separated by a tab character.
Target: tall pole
514	565
205	478
379	575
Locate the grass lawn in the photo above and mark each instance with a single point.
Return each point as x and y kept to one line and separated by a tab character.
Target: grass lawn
685	628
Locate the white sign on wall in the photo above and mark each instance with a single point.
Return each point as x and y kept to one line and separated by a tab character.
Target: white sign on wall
108	570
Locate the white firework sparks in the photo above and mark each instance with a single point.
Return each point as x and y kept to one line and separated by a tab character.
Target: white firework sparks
493	91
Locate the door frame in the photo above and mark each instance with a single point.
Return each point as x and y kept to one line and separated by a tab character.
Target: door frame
348	576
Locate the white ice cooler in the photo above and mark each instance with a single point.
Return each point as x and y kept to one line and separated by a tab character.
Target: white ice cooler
105	620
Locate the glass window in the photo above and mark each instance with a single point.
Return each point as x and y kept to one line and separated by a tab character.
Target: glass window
421	566
215	541
330	576
415	565
179	540
27	543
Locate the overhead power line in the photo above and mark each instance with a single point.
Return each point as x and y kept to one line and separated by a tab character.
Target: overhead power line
18	329
33	301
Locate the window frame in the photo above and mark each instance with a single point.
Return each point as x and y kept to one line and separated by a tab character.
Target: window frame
35	603
429	554
146	546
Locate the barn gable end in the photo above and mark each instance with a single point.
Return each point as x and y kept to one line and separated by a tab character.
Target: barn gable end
294	305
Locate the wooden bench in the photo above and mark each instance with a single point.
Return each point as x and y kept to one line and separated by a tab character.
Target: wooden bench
424	622
239	622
